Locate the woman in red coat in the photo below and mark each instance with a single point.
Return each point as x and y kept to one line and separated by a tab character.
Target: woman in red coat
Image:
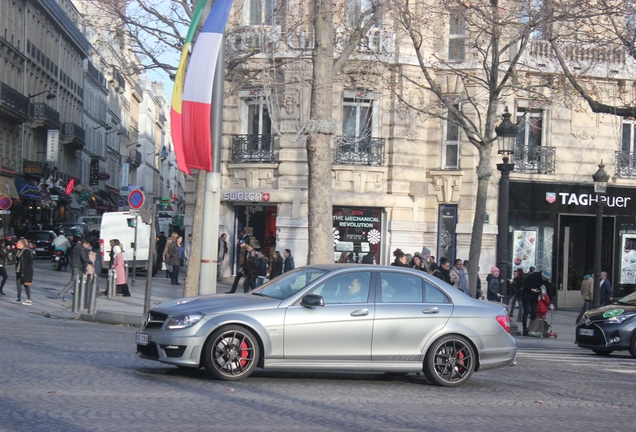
543	305
120	271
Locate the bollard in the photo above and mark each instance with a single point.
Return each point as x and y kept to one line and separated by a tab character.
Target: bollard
92	296
82	293
111	284
76	289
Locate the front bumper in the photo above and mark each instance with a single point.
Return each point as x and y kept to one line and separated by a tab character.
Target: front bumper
167	347
605	337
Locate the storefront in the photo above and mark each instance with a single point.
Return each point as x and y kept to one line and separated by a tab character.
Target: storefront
357	231
552	227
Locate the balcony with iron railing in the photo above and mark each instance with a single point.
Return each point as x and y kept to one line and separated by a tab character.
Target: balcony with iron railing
135	158
45	116
252	148
625	164
14	106
534	159
73	136
580	53
359	151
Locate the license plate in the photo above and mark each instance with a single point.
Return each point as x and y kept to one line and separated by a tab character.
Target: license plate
586	332
57	258
39	249
142	339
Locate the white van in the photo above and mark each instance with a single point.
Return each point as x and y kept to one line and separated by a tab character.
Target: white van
115	226
93	222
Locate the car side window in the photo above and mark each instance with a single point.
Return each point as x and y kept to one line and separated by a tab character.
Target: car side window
400	288
434	295
345	288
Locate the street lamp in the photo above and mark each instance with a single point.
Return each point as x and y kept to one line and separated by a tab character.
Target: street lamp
600	178
136	144
506	139
49	96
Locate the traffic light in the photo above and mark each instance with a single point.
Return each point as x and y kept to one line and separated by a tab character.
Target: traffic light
131	222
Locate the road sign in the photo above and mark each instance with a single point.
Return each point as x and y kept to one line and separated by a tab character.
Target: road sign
136	199
121	203
5	211
5	203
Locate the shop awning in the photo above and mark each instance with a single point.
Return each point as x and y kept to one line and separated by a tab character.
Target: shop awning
28	191
7	187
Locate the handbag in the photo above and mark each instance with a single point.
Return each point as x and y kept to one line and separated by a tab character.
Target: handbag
163	266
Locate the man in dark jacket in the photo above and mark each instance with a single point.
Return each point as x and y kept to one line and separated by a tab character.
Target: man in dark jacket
250	269
261	272
242	258
443	271
78	261
607	293
289	261
160	246
531	290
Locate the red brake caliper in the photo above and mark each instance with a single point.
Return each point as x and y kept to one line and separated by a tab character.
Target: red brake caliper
244	353
460	356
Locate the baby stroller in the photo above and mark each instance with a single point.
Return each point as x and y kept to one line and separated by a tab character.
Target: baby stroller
541	328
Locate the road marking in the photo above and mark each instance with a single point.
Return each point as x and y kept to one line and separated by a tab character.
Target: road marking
581	359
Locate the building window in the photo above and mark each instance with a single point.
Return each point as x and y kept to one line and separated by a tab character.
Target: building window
261	12
530	124
357	8
456	35
450	144
629	127
357	118
258	119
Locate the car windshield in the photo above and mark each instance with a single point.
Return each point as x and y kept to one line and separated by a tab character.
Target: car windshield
290	283
628	299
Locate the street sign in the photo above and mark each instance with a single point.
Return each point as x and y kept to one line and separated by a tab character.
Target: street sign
5	211
103	176
136	199
70	186
5	203
121	203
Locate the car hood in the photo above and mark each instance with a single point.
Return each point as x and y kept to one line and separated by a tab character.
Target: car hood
217	303
609	311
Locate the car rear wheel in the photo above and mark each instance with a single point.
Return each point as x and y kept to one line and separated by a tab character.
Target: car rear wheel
231	353
632	346
603	353
450	361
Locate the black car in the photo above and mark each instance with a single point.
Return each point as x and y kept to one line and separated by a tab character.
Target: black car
81	226
609	328
41	241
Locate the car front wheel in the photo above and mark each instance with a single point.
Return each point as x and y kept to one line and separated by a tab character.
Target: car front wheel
231	353
450	361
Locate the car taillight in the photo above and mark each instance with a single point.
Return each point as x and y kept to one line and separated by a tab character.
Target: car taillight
504	321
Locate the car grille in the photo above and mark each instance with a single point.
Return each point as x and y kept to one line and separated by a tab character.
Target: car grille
597	339
174	351
148	351
155	320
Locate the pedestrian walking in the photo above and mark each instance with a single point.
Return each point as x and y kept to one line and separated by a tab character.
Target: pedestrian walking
517	296
78	261
460	278
3	264
120	272
277	266
289	261
173	238
250	269
494	285
607	293
90	269
175	258
261	272
222	254
587	292
400	258
426	259
186	251
242	258
160	245
23	271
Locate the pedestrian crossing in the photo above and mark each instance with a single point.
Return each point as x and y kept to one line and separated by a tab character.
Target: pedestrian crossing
617	362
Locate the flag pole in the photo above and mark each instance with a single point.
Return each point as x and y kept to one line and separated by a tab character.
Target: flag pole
212	195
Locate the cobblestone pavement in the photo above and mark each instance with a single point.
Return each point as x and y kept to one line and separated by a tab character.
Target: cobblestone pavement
67	375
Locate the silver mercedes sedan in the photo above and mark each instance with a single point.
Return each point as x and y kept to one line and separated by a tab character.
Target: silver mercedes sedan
334	317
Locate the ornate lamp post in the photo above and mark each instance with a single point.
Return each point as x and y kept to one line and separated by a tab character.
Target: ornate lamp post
600	178
506	138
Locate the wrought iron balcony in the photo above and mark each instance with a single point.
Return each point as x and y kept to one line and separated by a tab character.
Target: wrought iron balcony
359	151
135	158
534	159
73	136
252	148
45	116
14	106
625	164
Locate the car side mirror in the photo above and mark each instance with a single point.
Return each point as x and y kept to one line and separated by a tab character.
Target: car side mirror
312	300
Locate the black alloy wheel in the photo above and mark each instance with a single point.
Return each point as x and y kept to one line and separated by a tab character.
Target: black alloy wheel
450	361
231	353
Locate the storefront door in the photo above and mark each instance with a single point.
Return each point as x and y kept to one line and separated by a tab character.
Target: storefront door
577	236
259	221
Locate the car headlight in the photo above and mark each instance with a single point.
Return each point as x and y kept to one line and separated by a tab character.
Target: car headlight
184	321
619	319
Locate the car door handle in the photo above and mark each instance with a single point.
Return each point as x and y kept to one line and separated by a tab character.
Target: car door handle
360	312
430	311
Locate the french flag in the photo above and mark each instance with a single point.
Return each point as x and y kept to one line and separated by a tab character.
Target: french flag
197	90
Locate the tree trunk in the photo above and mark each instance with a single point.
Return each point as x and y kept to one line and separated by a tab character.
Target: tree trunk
321	129
483	176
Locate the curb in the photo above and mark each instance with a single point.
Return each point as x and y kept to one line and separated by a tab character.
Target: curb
104	317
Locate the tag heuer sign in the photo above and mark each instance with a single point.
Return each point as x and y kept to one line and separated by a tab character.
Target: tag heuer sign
550	197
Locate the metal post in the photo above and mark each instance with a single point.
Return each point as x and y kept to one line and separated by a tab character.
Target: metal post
76	290
502	222
82	293
151	261
596	299
111	284
92	295
134	269
212	201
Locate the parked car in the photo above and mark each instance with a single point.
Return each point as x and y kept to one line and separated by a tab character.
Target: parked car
609	328
334	317
41	241
82	227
